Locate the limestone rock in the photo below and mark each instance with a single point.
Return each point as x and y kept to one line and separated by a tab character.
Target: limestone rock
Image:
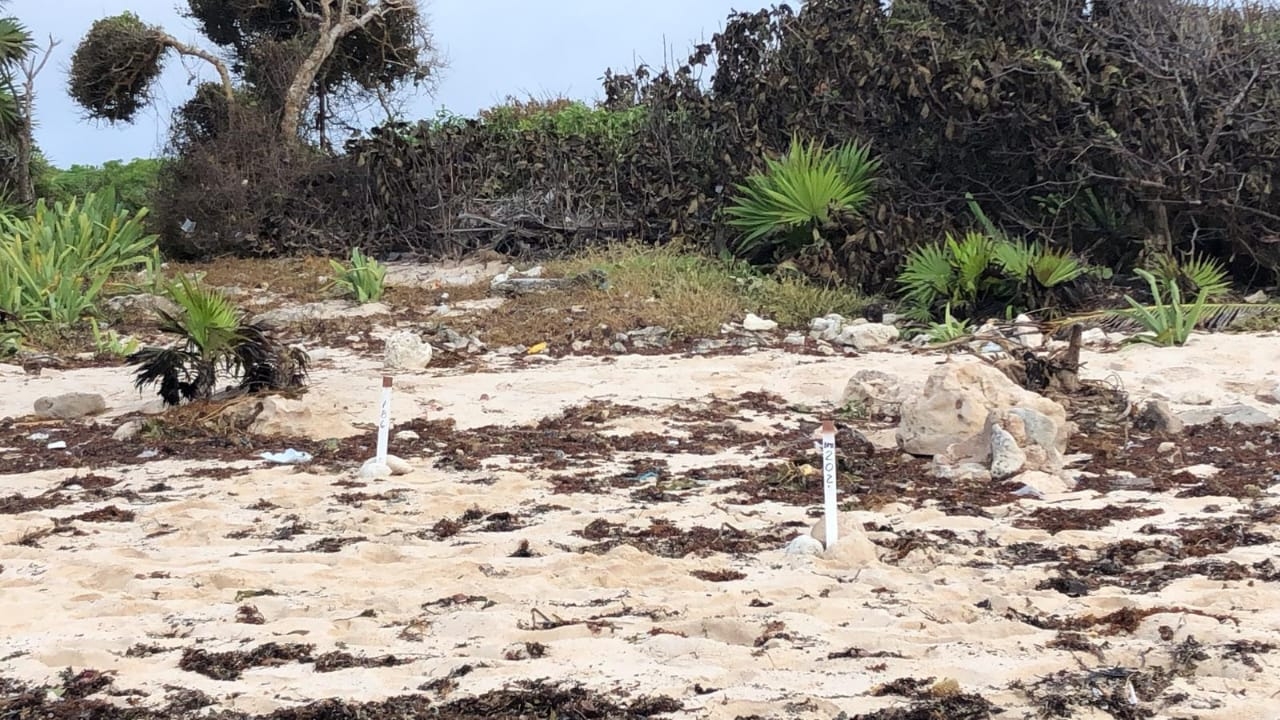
127	431
1238	414
827	328
1269	395
288	416
1039	484
1010	442
1195	397
868	336
1157	417
141	302
70	405
1027	332
755	323
964	471
405	350
804	545
954	404
372	470
1094	336
874	392
1007	459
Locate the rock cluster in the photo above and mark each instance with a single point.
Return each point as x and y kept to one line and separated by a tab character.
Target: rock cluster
856	333
974	421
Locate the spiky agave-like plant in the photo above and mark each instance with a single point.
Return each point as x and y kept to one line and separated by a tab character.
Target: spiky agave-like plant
212	335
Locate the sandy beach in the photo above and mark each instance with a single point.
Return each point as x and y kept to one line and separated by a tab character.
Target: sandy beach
549	530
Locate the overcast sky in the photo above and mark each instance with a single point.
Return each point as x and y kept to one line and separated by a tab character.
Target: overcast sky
494	48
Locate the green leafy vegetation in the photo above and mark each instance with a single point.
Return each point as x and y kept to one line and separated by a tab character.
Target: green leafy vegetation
561	117
1169	321
794	301
108	343
132	181
1194	276
785	207
55	263
212	334
363	278
693	294
980	271
948	329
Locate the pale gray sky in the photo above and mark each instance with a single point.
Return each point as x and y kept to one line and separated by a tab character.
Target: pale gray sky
495	48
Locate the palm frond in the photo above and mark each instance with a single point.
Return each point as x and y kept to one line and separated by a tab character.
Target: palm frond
15	41
1054	266
926	274
800	190
1207	275
971	257
1214	318
1015	257
209	320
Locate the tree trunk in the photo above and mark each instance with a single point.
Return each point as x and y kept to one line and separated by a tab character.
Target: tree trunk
331	31
26	185
26	141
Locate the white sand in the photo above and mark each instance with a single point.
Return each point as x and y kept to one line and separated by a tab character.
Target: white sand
82	601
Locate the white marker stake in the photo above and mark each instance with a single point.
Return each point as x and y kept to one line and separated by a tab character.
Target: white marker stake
384	421
830	509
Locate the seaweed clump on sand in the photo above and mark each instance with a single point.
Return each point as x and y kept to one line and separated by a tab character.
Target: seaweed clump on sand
74	699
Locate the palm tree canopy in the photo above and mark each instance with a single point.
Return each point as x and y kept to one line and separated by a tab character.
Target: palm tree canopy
15	45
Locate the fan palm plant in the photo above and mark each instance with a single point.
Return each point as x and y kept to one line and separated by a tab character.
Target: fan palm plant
785	207
1194	275
212	335
957	271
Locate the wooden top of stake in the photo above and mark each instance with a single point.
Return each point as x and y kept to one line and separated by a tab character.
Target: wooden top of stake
386	381
828	427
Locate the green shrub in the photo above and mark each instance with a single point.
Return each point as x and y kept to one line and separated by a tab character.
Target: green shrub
562	117
10	342
785	207
55	263
980	270
211	335
108	343
364	278
1164	322
132	181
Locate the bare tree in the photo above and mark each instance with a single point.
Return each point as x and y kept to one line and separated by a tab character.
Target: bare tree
24	139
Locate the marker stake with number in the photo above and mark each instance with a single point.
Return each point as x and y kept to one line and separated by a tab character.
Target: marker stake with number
830	509
384	420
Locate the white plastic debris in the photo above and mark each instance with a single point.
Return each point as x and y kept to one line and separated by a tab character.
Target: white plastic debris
288	457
